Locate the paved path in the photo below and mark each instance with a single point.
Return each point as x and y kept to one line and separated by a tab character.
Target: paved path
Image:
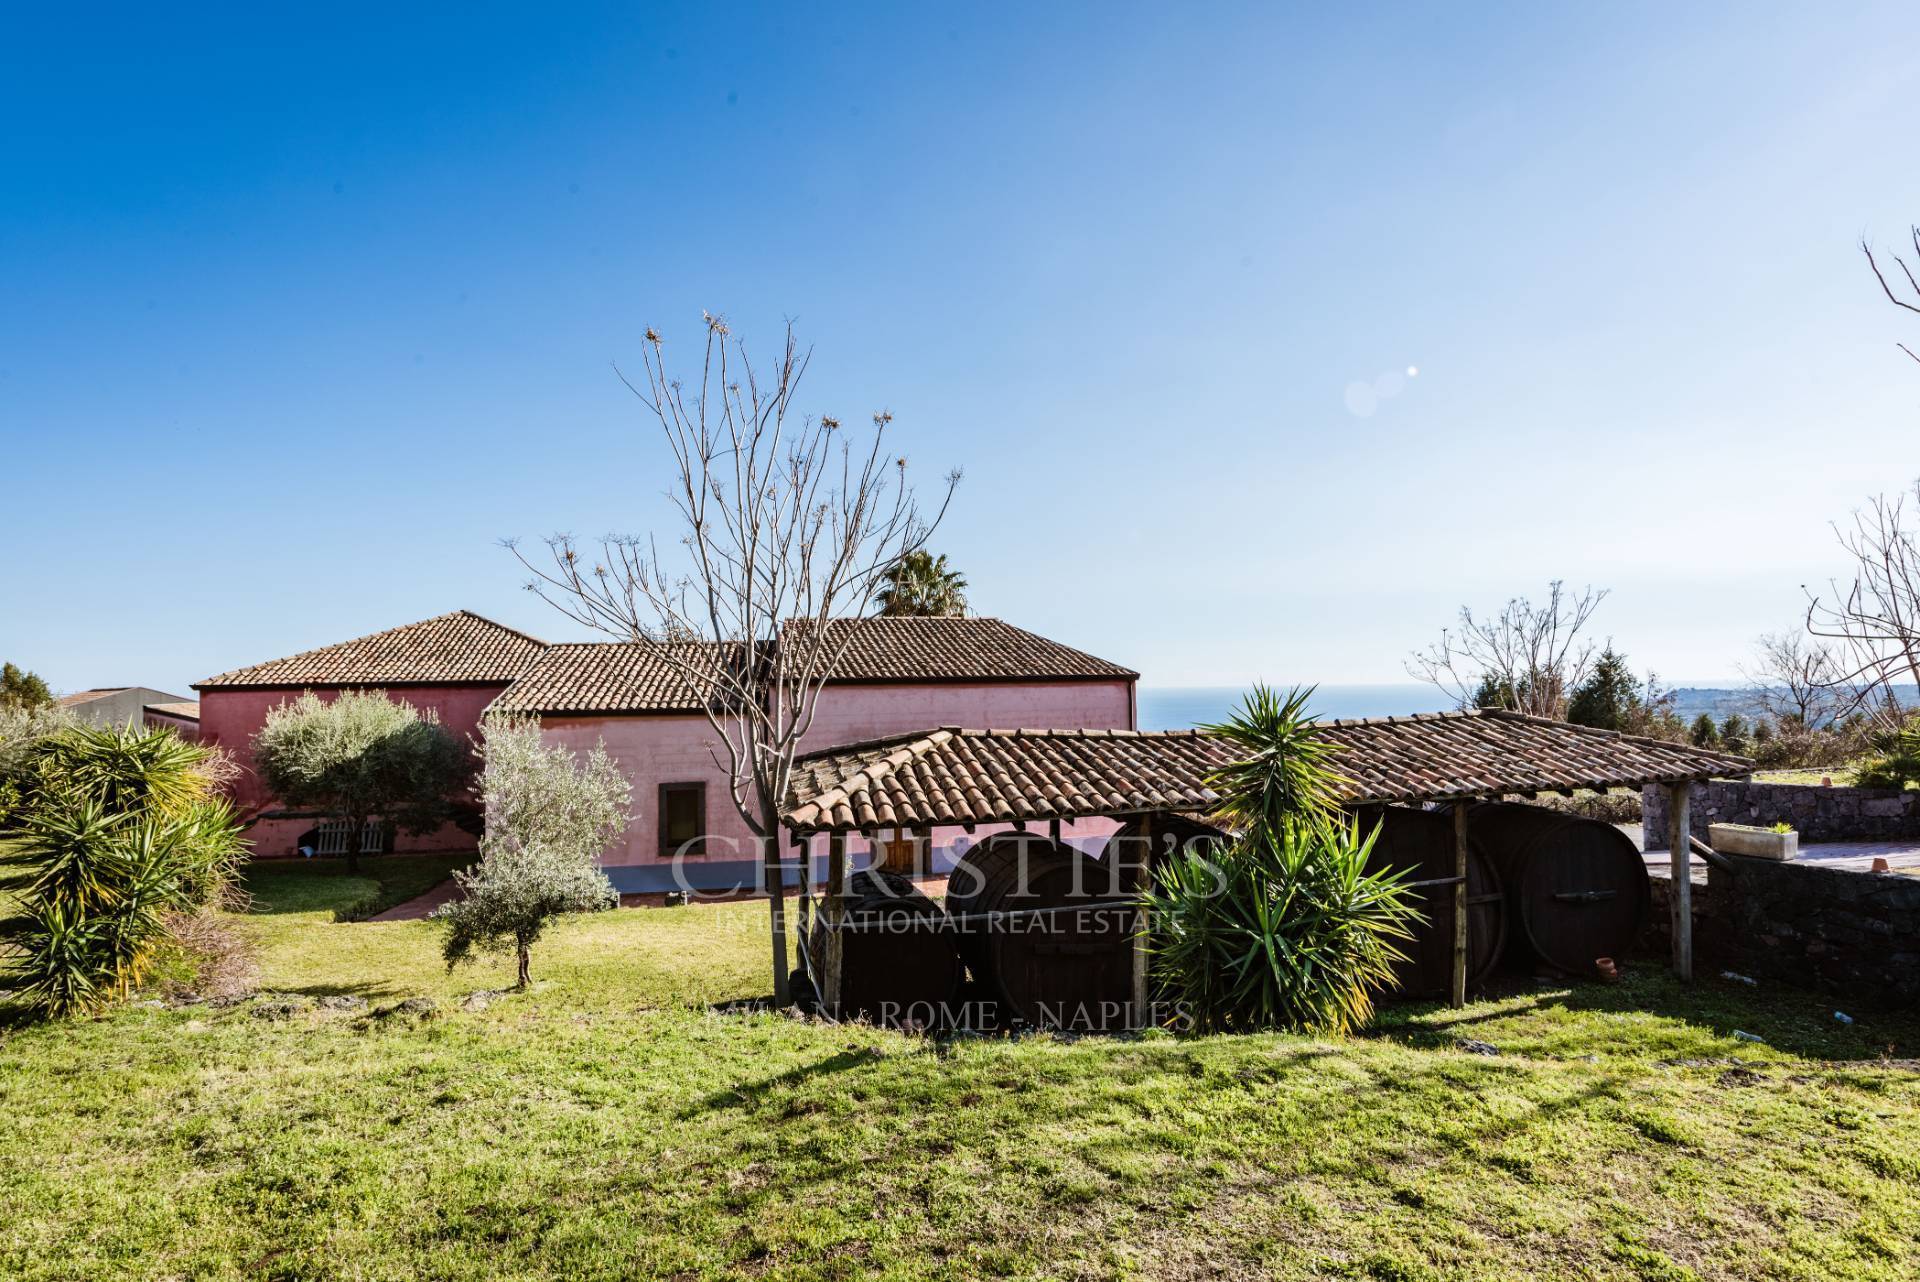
419	906
1854	856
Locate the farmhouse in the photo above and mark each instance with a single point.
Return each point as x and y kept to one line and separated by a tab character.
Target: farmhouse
898	675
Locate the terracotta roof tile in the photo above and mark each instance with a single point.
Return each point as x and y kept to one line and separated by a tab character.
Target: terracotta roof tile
953	776
186	709
599	677
79	697
451	649
955	649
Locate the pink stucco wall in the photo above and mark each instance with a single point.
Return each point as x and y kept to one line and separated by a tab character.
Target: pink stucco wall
653	750
661	749
230	719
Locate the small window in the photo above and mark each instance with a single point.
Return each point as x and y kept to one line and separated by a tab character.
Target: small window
683	818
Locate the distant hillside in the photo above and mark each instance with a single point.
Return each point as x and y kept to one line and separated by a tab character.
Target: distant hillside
1690	701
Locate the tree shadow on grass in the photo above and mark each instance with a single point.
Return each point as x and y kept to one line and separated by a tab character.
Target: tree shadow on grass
369	990
1796	1021
750	1094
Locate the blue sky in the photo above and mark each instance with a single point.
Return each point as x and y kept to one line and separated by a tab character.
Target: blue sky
303	312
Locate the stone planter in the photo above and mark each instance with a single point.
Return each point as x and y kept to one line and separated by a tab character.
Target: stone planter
1757	843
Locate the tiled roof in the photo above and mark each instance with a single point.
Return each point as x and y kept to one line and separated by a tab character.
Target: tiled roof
598	677
88	696
449	649
185	709
954	776
1441	756
955	649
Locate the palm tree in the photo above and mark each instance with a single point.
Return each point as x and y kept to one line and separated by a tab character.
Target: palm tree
921	585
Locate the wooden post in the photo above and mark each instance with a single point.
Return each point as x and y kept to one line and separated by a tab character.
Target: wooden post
1680	861
835	911
803	923
1137	874
1457	993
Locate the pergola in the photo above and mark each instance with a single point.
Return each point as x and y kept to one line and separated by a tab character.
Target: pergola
954	777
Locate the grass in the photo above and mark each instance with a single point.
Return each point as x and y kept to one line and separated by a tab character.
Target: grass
1842	776
628	1118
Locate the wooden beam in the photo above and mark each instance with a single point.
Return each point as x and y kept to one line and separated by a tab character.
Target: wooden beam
1137	873
834	909
1457	992
1680	891
1053	831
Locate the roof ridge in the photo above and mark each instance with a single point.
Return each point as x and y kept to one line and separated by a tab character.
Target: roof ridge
1455	714
223	677
475	614
1508	714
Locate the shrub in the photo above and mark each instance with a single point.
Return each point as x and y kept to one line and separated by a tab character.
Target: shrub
125	769
1283	927
1291	932
23	731
361	756
1895	762
121	830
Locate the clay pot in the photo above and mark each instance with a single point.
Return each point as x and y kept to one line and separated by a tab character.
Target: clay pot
1606	968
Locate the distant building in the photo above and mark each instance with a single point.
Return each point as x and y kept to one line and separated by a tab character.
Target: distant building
141	705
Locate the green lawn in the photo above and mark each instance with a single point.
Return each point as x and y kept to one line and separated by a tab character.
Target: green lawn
1842	776
610	1125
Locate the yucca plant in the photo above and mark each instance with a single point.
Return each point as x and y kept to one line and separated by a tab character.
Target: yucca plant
1283	926
121	832
126	769
64	960
1291	932
1284	774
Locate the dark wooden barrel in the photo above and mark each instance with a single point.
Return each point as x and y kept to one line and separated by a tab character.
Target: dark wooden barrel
1171	831
1421	843
1577	888
899	960
1060	970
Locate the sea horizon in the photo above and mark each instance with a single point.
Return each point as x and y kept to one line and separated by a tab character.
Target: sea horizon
1183	707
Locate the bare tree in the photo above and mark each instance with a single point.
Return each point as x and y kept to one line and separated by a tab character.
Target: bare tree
1797	680
1912	284
787	522
1875	619
1526	657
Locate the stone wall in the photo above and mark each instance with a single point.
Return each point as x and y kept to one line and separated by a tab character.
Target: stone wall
1817	813
1853	934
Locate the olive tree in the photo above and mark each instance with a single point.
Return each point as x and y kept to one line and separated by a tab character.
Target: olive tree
549	817
361	756
787	522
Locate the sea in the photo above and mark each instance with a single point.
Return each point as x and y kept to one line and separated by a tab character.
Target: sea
1183	707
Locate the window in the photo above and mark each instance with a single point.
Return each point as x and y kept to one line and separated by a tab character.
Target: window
683	818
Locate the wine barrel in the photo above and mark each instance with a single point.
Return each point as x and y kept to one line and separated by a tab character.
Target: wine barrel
898	961
1420	843
1173	831
1057	970
1576	888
